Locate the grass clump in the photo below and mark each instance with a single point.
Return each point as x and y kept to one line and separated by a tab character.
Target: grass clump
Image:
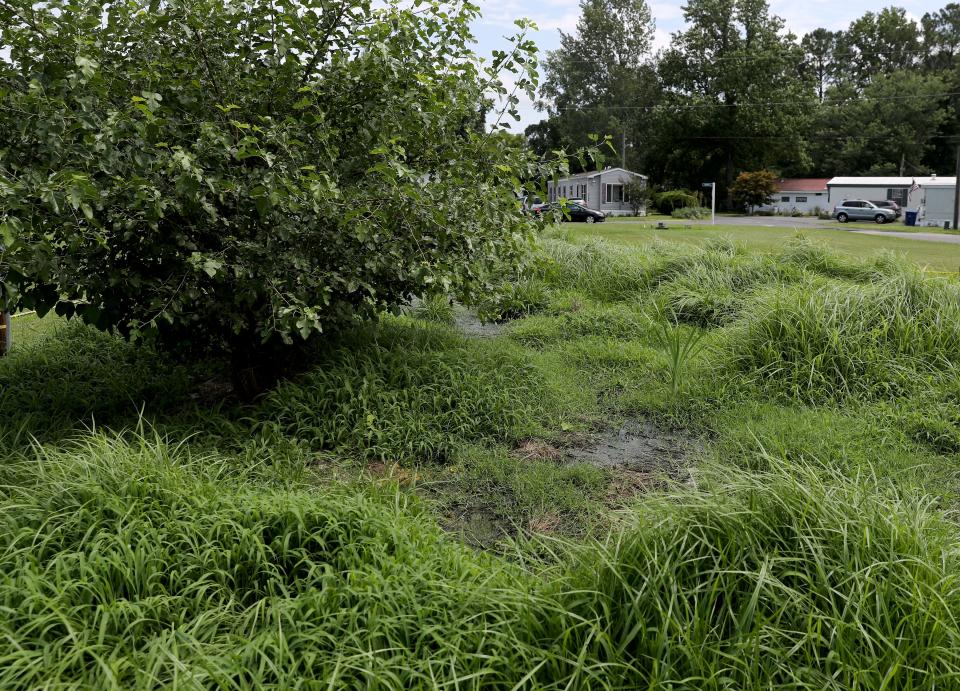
435	308
73	376
820	341
513	300
790	579
408	395
598	270
131	563
133	566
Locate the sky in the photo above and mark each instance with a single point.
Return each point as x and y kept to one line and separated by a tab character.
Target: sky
553	16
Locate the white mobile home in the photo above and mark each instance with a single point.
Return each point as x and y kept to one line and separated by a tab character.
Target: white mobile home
803	195
932	196
938	202
602	190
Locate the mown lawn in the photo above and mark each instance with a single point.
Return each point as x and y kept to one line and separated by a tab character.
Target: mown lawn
423	509
934	255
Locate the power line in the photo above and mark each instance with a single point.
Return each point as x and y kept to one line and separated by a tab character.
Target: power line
754	104
792	51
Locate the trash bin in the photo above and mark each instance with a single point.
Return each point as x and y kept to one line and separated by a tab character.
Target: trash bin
910	218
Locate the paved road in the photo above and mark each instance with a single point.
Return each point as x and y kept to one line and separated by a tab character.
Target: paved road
810	222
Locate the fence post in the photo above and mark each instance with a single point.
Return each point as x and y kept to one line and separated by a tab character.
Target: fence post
6	327
6	333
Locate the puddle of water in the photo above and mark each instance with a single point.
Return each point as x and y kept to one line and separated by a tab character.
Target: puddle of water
637	446
470	325
476	527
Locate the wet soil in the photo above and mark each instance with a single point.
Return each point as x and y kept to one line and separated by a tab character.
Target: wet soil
639	446
470	325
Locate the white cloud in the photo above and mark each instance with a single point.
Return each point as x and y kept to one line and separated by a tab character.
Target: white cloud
661	39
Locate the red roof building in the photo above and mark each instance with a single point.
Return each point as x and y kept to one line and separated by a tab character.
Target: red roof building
800	195
802	185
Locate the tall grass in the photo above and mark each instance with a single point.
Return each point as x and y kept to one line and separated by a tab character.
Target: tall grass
217	554
791	580
131	563
408	394
75	376
822	340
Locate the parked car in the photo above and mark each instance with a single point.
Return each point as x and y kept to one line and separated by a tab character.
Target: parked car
888	204
576	212
862	210
531	204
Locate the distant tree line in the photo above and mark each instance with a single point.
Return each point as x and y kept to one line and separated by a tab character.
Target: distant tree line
736	91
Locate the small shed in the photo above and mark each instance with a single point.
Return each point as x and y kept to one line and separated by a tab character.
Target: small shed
602	190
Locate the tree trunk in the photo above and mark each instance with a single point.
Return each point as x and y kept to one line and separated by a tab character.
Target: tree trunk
257	367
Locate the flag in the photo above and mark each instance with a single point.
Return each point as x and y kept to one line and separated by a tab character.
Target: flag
914	187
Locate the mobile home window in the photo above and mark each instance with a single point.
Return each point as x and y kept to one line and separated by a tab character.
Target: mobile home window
801	199
898	194
784	199
614	194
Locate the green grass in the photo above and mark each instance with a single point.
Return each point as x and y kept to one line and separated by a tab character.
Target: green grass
408	512
936	256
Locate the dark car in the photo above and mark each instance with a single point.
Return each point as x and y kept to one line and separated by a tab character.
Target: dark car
575	212
888	204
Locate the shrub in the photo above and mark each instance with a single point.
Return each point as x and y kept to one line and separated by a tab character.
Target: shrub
226	176
674	199
752	189
691	212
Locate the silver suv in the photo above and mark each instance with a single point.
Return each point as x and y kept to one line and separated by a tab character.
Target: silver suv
862	210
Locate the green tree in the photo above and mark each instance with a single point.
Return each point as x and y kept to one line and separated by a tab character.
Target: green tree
820	60
752	189
228	174
941	38
941	58
739	97
600	80
879	43
888	127
637	194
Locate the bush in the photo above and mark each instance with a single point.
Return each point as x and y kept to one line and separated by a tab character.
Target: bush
674	199
514	299
691	212
225	178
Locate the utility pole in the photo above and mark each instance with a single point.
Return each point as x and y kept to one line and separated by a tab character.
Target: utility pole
623	149
713	201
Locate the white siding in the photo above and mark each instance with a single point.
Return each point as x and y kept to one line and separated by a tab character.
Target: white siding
804	202
592	188
839	193
938	207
